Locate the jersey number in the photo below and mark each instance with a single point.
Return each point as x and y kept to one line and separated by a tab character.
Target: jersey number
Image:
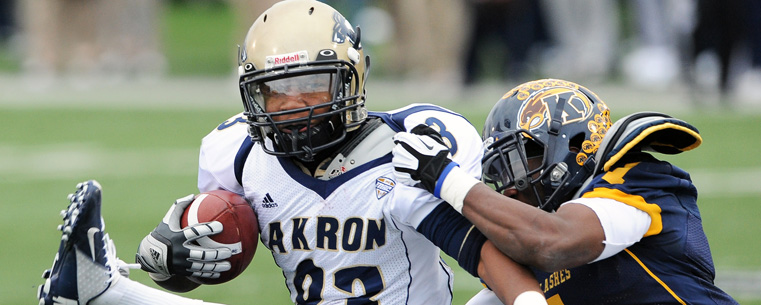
231	122
310	281
447	136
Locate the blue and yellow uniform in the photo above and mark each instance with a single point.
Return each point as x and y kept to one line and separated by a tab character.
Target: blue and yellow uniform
671	264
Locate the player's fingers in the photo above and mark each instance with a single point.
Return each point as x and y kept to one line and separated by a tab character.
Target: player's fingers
215	267
209	254
173	216
403	137
184	202
425	130
202	229
205	274
399	137
405	156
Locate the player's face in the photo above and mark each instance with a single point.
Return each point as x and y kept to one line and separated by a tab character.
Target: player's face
295	93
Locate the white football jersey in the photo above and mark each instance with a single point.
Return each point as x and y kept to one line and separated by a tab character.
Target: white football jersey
352	237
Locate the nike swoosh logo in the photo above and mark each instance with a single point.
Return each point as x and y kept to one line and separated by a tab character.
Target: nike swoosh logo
91	237
426	144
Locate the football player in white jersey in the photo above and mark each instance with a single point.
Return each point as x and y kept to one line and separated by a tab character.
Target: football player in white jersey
316	167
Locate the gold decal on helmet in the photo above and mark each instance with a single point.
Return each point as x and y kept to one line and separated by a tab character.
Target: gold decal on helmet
535	111
533	114
588	146
581	158
540	98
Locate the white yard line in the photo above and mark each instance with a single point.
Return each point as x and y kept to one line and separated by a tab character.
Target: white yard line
731	182
41	162
66	160
383	94
740	284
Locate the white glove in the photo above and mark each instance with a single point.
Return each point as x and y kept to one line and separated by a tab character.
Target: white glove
421	159
171	250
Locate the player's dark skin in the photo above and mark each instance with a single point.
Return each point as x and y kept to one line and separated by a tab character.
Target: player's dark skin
283	102
532	236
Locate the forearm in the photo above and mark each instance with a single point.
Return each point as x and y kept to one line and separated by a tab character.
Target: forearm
507	224
526	234
507	278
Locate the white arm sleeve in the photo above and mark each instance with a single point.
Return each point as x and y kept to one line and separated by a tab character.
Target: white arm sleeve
623	224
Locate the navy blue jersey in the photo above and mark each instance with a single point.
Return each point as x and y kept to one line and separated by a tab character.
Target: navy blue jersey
671	264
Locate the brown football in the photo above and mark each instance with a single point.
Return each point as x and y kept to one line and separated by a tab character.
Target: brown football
240	230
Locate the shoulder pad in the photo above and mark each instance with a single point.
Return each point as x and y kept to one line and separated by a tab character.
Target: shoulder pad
645	131
374	141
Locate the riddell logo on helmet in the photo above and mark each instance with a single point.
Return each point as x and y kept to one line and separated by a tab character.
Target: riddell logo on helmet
300	57
287	59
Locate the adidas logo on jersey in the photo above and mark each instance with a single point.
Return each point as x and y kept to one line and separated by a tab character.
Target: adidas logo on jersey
268	202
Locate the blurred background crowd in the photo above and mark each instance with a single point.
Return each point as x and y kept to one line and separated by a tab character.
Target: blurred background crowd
704	45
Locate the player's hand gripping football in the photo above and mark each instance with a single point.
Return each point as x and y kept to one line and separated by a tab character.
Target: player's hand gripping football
422	159
170	250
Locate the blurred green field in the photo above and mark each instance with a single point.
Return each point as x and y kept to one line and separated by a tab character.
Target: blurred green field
146	158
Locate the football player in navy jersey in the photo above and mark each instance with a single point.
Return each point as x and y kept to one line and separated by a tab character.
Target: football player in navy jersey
582	201
316	167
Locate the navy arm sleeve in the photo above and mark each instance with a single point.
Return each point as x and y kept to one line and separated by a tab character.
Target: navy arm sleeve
454	235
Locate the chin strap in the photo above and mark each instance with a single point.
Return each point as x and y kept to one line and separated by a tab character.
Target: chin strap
550	187
566	185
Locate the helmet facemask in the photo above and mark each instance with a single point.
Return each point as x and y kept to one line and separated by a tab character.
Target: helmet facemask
324	86
522	161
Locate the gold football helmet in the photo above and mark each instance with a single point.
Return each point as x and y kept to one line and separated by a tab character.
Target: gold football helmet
304	48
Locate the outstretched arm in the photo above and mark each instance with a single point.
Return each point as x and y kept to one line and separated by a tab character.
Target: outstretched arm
570	237
549	241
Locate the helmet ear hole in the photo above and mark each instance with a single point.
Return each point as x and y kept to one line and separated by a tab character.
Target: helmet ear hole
574	145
